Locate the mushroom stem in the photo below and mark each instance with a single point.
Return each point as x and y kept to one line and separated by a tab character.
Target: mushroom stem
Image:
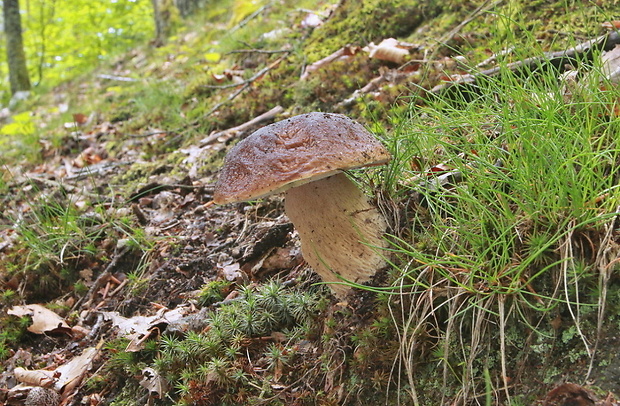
341	232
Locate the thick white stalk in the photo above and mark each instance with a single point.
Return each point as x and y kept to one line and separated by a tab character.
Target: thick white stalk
342	234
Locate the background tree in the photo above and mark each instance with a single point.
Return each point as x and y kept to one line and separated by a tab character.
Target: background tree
18	71
162	13
188	7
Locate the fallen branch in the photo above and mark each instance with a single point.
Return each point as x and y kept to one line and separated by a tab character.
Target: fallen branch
557	59
345	51
225	135
389	76
245	85
101	279
118	78
249	18
257	51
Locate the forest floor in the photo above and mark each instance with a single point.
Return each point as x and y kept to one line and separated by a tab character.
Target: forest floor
122	283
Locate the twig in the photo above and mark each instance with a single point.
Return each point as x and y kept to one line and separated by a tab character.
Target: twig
347	50
228	86
557	59
60	185
493	57
482	8
502	343
149	134
249	18
95	329
231	132
257	51
375	84
102	279
242	88
92	170
119	78
606	258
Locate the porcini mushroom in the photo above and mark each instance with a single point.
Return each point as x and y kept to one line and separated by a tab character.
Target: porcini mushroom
341	233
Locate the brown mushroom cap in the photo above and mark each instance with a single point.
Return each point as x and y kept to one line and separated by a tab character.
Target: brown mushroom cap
295	151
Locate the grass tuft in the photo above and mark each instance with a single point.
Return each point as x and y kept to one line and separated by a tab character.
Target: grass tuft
509	196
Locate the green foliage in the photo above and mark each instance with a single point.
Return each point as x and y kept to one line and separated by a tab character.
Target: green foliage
214	358
214	291
63	39
12	331
511	186
19	139
60	238
361	23
56	238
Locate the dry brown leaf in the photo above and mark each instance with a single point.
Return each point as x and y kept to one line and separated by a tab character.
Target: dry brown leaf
611	64
71	373
570	394
389	49
611	25
38	377
80	118
153	382
43	319
231	272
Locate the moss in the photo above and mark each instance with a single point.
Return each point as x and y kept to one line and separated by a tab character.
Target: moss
362	22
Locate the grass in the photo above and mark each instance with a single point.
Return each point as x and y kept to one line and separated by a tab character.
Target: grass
516	234
60	233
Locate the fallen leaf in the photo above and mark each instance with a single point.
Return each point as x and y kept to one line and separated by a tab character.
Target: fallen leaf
71	373
80	118
153	382
311	20
611	64
569	394
37	377
138	328
611	25
231	272
212	57
389	49
43	319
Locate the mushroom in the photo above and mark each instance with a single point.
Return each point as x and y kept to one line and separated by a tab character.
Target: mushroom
341	233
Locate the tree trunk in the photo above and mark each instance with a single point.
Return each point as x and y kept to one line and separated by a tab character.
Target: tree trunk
162	15
18	71
187	7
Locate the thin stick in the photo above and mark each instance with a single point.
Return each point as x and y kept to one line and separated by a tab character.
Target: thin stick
243	87
557	59
604	264
502	343
568	255
249	18
257	51
102	279
231	132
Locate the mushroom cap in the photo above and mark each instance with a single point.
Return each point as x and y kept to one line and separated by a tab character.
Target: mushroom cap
295	151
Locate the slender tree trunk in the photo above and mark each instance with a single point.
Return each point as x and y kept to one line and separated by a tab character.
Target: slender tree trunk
162	14
187	7
18	71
